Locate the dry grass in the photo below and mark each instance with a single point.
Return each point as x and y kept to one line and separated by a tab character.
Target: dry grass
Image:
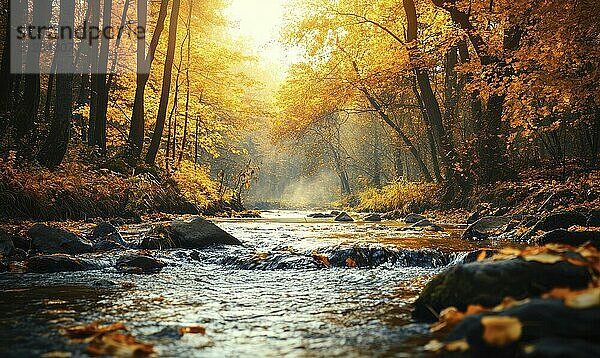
404	197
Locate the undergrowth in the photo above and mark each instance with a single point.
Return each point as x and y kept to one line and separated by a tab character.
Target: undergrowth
80	190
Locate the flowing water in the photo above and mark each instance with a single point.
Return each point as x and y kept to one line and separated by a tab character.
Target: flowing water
271	297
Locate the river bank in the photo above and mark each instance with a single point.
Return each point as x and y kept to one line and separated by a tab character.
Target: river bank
286	284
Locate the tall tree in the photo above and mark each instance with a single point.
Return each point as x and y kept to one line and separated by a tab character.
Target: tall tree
135	139
449	156
94	52
55	145
101	86
166	85
28	107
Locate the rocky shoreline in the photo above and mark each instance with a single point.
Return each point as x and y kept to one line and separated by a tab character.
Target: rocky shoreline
538	297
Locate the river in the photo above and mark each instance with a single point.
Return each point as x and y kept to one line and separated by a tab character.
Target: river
267	298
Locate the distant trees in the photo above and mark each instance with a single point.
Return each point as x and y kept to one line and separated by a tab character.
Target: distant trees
472	90
107	108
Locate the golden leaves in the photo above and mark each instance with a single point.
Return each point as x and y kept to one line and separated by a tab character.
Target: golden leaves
119	345
106	340
499	331
192	329
323	259
578	299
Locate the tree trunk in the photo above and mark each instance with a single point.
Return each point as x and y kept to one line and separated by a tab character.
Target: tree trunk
429	129
166	86
29	105
102	100
5	80
135	139
411	147
448	155
187	83
55	146
94	60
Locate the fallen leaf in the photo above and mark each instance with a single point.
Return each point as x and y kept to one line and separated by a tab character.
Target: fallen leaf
482	255
192	329
584	299
57	354
543	258
350	262
119	345
323	259
434	346
499	331
461	345
90	330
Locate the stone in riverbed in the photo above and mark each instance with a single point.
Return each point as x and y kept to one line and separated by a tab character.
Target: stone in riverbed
57	263
53	240
105	231
487	227
194	234
344	217
139	264
107	245
7	247
573	238
413	218
549	328
372	217
198	233
487	283
557	220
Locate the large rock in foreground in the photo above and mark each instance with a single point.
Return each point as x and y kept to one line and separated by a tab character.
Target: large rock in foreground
487	283
549	329
53	240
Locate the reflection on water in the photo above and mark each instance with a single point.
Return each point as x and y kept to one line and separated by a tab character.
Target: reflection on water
301	311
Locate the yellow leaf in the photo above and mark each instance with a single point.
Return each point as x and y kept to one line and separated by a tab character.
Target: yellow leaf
434	346
585	299
499	331
192	329
350	262
543	258
460	345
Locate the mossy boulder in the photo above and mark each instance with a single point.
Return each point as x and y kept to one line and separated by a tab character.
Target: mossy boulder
487	283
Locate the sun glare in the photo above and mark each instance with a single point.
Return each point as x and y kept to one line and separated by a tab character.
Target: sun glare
259	23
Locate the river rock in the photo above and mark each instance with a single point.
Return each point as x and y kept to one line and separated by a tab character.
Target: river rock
593	219
487	227
573	238
56	263
413	218
107	245
344	217
550	329
105	231
424	224
7	248
198	233
487	283
372	217
553	221
18	242
53	240
320	215
139	264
